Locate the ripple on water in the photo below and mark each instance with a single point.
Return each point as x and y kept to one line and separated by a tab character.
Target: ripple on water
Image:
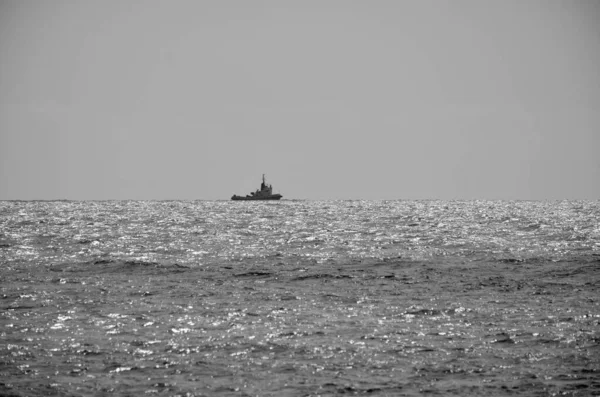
300	298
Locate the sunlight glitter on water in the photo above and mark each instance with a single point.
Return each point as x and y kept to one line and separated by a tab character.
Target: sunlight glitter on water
300	298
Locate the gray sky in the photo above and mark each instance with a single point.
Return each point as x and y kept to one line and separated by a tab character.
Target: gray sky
331	99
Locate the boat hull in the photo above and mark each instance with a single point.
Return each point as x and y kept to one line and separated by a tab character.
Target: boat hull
251	198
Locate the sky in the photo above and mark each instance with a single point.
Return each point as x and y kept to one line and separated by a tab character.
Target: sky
331	99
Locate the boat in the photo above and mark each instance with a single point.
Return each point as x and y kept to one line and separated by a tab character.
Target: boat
265	193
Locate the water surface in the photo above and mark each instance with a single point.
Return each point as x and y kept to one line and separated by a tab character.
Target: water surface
300	298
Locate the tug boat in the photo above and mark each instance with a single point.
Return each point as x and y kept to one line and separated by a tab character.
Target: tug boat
265	193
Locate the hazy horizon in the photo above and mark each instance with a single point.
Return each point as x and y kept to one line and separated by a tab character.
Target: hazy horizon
157	100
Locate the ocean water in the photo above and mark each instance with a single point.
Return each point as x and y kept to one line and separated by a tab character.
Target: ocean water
300	298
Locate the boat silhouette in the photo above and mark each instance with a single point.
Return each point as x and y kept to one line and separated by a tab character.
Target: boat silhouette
265	193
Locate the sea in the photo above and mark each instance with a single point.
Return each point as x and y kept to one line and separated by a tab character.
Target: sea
300	298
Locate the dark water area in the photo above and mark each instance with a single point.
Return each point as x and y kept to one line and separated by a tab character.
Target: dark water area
300	298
